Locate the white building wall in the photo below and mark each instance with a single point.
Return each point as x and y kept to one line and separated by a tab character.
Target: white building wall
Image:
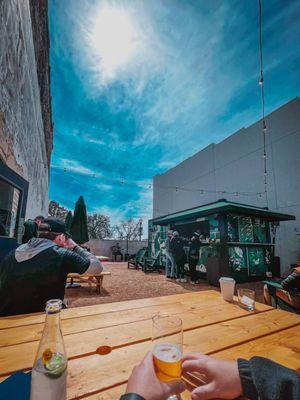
236	165
102	247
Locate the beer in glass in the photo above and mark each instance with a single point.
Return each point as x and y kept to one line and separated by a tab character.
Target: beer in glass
167	347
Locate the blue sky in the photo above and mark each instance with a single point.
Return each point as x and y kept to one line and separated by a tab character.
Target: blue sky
139	85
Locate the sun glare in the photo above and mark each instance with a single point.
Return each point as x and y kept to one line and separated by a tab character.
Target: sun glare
113	40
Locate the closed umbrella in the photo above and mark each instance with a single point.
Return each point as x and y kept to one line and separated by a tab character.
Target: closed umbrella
79	229
68	221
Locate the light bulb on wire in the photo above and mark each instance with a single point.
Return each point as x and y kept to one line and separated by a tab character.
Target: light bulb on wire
264	127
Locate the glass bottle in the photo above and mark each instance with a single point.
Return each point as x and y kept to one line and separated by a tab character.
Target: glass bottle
49	372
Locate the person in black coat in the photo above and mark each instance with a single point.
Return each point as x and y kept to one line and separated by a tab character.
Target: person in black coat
194	256
177	249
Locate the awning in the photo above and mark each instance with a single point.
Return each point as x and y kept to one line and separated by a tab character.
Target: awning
222	206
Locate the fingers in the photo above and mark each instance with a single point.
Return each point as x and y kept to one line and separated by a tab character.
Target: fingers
205	392
148	361
175	387
198	365
195	378
192	356
148	357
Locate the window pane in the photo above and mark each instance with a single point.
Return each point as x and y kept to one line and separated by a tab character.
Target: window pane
9	205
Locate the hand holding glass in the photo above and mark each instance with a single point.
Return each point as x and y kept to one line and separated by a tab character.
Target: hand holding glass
167	352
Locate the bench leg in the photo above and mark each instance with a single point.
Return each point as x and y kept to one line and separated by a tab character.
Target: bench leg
99	283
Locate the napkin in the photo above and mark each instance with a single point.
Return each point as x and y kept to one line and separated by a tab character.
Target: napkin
16	387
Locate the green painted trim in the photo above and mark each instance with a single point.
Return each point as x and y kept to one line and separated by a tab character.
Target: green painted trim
223	207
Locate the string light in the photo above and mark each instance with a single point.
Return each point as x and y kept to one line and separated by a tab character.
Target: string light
264	127
150	186
261	83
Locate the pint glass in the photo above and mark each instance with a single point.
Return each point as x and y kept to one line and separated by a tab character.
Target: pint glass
167	347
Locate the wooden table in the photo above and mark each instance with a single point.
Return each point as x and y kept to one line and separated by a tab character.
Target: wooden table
211	326
102	258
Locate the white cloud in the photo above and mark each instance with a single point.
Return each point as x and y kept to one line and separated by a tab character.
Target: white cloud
95	141
103	186
164	164
74	166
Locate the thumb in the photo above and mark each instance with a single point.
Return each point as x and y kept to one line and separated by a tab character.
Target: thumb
205	392
175	387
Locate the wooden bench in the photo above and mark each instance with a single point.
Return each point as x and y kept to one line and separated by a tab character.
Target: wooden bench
91	278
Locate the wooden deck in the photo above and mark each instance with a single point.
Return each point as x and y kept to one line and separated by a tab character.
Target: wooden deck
211	326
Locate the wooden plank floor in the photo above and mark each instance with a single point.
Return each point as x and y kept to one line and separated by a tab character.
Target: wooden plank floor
211	326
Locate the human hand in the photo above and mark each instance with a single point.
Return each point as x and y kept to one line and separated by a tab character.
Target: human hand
222	377
70	244
144	382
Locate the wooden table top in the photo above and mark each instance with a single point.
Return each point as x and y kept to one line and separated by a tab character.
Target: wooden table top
211	326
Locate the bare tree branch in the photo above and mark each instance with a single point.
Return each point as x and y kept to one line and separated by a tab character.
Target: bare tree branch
128	229
99	226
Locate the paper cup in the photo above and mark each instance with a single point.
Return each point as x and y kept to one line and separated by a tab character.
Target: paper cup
227	288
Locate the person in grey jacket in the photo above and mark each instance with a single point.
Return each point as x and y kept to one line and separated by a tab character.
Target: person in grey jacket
37	271
257	379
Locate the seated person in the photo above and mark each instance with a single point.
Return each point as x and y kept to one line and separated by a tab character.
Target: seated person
31	228
289	293
116	251
37	271
258	378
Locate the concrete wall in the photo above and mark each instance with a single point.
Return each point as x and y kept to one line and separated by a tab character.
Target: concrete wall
103	247
22	134
236	165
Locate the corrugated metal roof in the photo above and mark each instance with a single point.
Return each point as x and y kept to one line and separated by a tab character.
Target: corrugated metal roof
223	206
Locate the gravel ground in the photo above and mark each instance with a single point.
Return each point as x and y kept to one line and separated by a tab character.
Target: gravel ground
128	284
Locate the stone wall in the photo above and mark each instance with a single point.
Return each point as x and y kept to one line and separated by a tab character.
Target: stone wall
22	133
103	247
40	29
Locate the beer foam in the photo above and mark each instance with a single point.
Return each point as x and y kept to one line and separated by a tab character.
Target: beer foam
167	352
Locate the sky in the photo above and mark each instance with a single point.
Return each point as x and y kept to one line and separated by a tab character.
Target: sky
140	85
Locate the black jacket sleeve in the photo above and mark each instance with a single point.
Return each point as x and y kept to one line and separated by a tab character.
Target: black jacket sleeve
263	379
131	396
292	282
74	262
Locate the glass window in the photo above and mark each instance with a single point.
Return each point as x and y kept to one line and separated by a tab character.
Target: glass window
9	207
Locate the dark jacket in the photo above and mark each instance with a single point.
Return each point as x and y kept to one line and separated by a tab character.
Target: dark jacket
176	246
194	250
292	282
261	379
35	273
30	230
